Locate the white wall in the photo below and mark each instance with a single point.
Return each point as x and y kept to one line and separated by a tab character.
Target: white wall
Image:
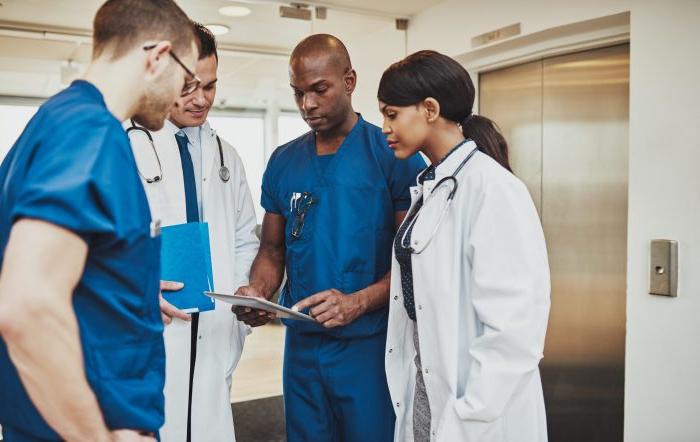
662	391
372	50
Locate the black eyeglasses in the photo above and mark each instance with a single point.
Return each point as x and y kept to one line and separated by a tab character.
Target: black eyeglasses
300	206
190	85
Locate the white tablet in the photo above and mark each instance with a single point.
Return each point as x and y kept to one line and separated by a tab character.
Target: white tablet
260	304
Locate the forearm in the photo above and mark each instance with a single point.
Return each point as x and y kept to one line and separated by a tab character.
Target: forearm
375	296
44	345
42	265
267	270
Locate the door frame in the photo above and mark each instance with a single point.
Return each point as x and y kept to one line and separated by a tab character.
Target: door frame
580	36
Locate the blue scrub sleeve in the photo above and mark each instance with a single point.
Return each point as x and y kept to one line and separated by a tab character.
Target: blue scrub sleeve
76	181
402	178
268	201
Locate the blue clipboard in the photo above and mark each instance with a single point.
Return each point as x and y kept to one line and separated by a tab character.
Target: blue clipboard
185	257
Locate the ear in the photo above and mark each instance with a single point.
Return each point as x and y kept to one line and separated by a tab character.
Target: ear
350	80
157	59
431	108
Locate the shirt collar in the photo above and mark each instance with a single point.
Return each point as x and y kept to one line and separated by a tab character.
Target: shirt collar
193	133
452	162
429	173
171	127
90	89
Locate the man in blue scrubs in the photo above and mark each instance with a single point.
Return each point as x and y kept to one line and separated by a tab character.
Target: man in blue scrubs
333	199
81	354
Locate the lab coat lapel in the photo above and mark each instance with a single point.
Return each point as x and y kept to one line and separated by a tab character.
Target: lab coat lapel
210	169
451	163
170	190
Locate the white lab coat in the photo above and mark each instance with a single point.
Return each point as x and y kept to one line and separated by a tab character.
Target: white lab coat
228	208
481	291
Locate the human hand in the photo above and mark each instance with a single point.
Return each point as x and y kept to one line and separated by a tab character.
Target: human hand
332	308
167	310
130	436
251	316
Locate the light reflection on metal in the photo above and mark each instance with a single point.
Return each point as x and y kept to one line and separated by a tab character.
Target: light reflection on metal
566	121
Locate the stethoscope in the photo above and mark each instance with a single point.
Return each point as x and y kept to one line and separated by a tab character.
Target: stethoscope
224	173
450	196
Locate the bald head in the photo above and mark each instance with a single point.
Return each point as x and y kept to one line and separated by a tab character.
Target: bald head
322	46
323	81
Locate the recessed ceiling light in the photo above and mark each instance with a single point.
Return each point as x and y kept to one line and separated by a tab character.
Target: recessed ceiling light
217	29
234	11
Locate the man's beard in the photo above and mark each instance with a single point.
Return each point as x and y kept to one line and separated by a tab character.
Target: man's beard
153	109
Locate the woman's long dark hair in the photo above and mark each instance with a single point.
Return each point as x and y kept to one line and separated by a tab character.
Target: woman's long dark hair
431	74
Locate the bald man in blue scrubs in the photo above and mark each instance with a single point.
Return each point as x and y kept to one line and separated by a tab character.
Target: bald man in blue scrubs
333	199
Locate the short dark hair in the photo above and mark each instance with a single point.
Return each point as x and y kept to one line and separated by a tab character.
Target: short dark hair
326	44
121	24
207	41
430	74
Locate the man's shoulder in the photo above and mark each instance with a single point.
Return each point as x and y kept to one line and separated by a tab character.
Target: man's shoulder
376	140
380	148
70	107
291	148
371	127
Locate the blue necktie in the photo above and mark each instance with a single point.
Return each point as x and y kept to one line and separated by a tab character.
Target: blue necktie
188	178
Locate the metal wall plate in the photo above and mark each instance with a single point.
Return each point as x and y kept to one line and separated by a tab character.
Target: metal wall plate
498	34
663	271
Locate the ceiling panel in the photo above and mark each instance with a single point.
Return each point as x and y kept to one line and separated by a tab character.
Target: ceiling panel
263	27
245	81
11	47
398	7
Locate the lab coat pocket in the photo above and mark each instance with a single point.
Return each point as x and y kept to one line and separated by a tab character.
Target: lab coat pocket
452	427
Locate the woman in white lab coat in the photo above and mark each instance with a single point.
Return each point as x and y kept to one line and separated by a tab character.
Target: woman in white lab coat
470	278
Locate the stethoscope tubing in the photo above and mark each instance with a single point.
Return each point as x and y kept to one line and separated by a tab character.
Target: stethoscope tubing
450	198
224	173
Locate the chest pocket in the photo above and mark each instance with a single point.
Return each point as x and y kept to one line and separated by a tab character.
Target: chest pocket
299	210
358	221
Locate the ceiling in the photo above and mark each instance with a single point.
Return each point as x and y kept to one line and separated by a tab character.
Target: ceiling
253	64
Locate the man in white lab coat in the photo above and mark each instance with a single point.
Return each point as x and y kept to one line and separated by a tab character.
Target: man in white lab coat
188	160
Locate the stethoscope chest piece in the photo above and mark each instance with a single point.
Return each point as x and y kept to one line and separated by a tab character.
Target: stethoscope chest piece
224	174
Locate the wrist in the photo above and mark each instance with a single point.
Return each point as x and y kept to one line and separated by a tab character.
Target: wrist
104	435
261	289
362	302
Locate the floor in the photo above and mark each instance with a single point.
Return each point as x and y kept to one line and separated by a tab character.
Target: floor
260	420
259	372
256	394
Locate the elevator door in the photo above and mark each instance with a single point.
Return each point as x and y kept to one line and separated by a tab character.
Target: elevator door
566	122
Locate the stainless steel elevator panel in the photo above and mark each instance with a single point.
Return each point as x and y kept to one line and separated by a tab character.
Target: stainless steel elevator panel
584	138
515	96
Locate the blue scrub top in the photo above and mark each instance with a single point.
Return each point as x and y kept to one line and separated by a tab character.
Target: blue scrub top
345	242
73	167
